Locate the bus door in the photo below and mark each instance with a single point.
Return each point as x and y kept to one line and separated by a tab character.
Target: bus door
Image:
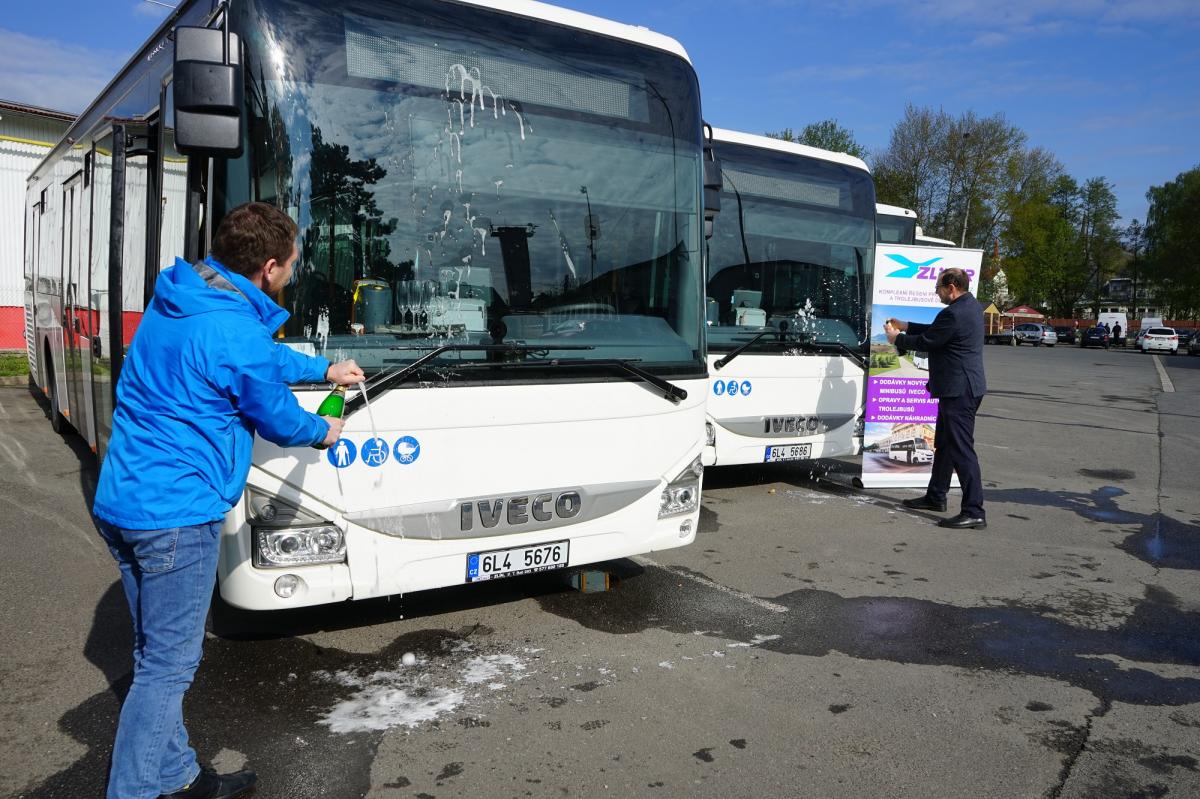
77	330
99	291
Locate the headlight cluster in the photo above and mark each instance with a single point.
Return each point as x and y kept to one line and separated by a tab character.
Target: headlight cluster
284	535
298	546
682	495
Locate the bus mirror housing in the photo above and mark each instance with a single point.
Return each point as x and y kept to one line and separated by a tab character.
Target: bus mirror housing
712	184
207	93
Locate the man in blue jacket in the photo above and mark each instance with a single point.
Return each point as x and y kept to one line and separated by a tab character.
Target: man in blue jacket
954	342
202	376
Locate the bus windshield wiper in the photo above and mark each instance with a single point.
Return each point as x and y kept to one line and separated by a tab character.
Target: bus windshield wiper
669	391
720	363
386	382
804	344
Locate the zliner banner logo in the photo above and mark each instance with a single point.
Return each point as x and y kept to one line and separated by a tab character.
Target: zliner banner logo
912	268
925	270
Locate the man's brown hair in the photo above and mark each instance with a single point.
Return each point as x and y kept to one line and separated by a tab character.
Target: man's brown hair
252	234
955	277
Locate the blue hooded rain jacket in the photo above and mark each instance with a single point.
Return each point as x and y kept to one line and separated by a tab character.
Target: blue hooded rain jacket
202	376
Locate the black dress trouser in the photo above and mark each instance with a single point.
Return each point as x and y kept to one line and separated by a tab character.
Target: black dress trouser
954	453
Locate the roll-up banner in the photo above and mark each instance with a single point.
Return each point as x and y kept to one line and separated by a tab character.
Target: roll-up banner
900	413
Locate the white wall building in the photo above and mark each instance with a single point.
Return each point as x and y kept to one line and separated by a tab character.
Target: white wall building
26	134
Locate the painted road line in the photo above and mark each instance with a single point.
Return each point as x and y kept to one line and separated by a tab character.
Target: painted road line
1167	385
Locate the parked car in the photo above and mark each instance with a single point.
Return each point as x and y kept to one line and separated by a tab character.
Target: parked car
1065	333
1095	337
1185	336
1035	334
1193	347
1160	338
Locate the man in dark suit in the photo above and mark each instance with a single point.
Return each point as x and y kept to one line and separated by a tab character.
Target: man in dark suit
955	345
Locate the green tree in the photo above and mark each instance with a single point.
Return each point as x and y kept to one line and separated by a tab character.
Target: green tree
827	135
1173	243
954	172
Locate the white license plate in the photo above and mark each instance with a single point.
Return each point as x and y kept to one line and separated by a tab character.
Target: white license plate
518	560
787	452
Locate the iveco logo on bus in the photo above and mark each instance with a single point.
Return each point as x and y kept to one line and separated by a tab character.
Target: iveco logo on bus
925	270
791	424
519	510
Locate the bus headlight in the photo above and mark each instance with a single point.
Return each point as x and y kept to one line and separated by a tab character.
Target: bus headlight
682	495
279	547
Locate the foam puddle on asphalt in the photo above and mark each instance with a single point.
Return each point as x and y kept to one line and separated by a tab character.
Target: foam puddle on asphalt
409	696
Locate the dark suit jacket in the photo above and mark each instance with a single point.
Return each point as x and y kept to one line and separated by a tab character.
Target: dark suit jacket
955	345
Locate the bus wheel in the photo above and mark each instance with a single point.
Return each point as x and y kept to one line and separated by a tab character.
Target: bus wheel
58	422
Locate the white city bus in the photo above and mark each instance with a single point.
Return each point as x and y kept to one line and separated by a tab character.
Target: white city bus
502	220
911	450
789	287
895	225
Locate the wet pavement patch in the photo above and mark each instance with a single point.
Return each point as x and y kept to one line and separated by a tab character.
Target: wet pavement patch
1116	475
1011	639
1160	540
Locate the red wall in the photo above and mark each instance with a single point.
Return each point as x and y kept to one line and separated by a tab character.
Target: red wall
12	328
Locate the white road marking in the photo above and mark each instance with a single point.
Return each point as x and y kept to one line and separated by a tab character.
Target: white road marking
1167	385
753	600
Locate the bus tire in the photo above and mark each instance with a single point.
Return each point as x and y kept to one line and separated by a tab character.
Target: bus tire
58	422
226	621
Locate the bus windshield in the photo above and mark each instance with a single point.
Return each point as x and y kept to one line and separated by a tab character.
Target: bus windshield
894	229
460	175
792	250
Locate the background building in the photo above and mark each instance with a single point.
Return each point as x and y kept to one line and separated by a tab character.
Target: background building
26	134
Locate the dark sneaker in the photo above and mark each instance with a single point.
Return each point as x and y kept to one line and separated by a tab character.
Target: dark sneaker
924	503
211	785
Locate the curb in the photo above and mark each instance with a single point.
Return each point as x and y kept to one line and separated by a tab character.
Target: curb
15	380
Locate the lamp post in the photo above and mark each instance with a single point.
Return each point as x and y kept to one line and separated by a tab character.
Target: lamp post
967	208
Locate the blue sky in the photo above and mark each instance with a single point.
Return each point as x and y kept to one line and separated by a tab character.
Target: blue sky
1111	88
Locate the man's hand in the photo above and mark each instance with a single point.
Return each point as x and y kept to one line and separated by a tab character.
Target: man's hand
335	430
891	331
345	373
899	325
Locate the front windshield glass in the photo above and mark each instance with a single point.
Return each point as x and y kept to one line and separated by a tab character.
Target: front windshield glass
463	176
896	229
791	251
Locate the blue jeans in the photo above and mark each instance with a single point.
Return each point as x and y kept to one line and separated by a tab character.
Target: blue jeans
168	579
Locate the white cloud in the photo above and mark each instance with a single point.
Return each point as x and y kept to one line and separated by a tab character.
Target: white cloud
53	74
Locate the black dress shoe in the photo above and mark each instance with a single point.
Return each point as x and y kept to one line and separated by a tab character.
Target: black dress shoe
963	522
211	785
924	503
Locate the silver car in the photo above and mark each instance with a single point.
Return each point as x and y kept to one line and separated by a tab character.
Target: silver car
1035	334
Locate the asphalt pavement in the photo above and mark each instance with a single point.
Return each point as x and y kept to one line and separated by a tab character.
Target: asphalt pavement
817	639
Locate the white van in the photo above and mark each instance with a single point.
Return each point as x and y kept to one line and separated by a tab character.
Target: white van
1112	320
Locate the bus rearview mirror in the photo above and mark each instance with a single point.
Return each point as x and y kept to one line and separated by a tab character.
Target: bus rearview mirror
207	93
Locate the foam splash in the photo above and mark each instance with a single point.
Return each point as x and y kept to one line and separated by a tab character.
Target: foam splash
407	697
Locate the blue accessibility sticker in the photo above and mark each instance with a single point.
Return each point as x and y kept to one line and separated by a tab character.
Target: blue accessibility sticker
719	387
407	449
746	388
342	454
375	452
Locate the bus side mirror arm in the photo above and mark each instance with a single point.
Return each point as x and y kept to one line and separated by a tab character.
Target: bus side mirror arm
712	183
